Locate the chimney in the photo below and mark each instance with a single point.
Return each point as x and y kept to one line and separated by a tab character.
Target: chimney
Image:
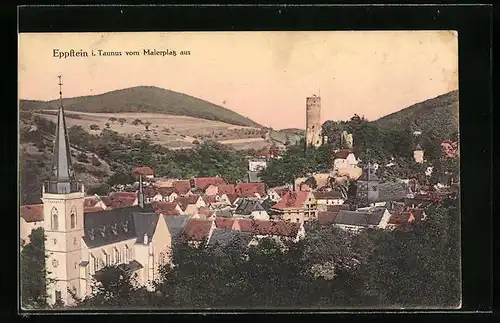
145	238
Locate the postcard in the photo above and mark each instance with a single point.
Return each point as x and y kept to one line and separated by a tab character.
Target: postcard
239	170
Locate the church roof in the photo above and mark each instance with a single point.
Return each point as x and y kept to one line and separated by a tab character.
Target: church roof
61	163
112	226
145	223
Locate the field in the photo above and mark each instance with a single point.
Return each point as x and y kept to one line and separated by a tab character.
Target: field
169	130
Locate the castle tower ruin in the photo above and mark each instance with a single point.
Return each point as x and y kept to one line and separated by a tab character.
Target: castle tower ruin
313	121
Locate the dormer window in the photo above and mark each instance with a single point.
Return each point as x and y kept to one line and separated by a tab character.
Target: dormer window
91	234
102	231
125	226
114	229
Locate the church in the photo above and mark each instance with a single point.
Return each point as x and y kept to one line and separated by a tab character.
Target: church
79	245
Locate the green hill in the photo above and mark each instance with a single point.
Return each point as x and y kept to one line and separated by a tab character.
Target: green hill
148	99
436	117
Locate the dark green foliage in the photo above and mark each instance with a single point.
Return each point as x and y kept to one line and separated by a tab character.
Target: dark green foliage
82	157
417	265
101	189
148	99
33	274
95	161
94	127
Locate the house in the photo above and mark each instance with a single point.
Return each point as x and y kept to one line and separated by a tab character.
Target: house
250	209
190	204
251	190
31	218
94	201
122	199
224	213
278	230
257	165
345	158
201	183
226	189
225	237
204	214
183	187
328	198
232	199
224	223
403	217
296	206
328	216
145	171
167	208
277	193
211	190
197	231
358	220
166	194
375	193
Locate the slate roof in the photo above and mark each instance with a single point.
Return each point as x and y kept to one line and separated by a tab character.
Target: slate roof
224	237
246	207
197	229
292	200
225	213
32	213
267	204
111	226
249	189
358	218
175	225
145	223
392	191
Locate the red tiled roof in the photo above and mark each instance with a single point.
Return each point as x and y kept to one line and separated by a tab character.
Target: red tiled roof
149	192
184	201
106	200
197	229
122	199
232	198
90	201
145	171
400	218
343	153
224	223
281	191
206	212
210	199
249	189
166	191
417	213
182	186
328	216
202	183
165	208
92	209
226	189
32	213
266	228
292	200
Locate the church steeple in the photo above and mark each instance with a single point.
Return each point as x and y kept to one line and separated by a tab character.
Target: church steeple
140	194
62	178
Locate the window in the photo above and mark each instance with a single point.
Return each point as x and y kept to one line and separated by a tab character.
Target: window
73	217
127	254
58	297
106	258
117	255
54	224
95	263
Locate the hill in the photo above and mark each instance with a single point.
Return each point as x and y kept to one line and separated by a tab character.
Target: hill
145	99
436	117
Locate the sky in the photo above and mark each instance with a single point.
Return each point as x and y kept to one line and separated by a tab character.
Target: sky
265	76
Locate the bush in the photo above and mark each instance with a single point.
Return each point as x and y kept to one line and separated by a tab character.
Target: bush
94	127
101	189
96	161
82	157
195	142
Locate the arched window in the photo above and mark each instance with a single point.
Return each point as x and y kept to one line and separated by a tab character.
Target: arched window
54	224
117	255
73	217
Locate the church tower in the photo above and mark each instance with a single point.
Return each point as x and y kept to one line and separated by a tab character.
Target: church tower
313	122
367	185
62	198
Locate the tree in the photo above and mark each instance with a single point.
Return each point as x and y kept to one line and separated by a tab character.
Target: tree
137	122
122	121
112	119
147	124
107	125
94	127
101	190
34	277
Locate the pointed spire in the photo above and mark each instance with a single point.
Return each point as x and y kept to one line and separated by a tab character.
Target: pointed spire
140	196
62	169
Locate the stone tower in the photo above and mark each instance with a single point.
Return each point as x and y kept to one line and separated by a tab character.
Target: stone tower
367	185
62	198
313	122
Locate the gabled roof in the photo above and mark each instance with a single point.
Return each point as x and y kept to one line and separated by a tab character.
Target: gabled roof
145	223
182	186
90	201
32	213
202	183
224	213
292	200
175	225
232	198
111	225
210	199
224	223
399	218
417	213
343	153
330	195
144	170
392	191
249	189
223	237
184	201
149	192
166	191
197	229
246	207
267	204
328	216
358	218
226	189
106	200
166	208
203	211
269	228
